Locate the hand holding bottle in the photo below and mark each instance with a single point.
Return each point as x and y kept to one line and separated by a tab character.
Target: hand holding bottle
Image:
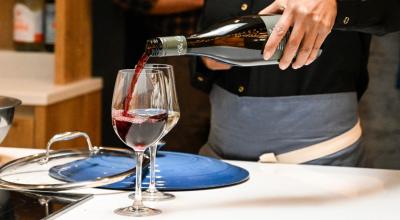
239	41
311	20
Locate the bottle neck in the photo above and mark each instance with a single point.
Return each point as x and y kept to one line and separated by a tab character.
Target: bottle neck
167	46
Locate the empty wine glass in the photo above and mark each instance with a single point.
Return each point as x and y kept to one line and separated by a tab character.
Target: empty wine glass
139	117
152	194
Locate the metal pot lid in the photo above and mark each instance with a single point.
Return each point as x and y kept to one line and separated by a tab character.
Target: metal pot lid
8	102
31	173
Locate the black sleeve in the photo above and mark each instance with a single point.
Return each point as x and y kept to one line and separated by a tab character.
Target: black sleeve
201	77
137	6
368	16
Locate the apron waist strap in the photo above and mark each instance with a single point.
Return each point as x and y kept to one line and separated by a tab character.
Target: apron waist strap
316	151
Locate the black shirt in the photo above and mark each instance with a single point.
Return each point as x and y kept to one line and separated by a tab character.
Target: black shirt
342	66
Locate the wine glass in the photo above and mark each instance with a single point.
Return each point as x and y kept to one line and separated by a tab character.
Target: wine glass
152	194
139	117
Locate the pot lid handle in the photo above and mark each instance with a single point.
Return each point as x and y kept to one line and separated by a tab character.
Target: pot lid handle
66	136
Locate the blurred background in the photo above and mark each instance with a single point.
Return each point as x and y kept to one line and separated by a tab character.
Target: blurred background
380	106
65	77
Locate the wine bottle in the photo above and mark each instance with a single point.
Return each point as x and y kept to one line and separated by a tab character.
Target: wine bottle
28	25
49	25
238	41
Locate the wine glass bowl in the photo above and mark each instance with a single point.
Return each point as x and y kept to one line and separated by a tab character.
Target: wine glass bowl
139	117
139	128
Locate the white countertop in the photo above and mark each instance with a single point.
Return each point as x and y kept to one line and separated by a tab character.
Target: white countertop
29	76
274	191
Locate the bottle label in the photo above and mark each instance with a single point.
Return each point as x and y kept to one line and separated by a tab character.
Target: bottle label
50	25
270	22
27	24
173	46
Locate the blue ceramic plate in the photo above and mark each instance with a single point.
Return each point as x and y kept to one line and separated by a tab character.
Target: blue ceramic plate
174	171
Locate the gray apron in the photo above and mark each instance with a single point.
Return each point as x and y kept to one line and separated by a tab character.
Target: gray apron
243	128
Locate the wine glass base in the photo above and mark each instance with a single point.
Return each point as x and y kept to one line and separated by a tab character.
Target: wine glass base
137	211
154	196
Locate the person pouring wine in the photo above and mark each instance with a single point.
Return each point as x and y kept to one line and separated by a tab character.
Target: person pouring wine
303	110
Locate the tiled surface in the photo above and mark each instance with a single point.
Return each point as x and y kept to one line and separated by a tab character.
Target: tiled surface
380	106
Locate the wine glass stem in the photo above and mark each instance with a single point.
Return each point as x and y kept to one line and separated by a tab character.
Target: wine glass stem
137	203
153	153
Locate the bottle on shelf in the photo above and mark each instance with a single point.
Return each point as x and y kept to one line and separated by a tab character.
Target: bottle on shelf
238	41
49	25
28	25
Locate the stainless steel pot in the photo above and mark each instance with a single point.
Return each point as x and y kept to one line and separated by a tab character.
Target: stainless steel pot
7	108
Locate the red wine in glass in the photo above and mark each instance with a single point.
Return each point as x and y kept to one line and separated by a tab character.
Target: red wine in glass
139	67
139	128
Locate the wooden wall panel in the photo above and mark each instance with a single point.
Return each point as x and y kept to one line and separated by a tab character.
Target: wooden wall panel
34	126
73	40
6	22
21	133
78	114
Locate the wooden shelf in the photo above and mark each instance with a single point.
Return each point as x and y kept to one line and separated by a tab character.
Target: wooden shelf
57	90
73	46
29	76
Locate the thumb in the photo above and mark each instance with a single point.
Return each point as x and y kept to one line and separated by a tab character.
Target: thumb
273	8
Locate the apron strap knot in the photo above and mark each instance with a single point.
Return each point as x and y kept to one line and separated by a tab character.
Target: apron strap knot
268	158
